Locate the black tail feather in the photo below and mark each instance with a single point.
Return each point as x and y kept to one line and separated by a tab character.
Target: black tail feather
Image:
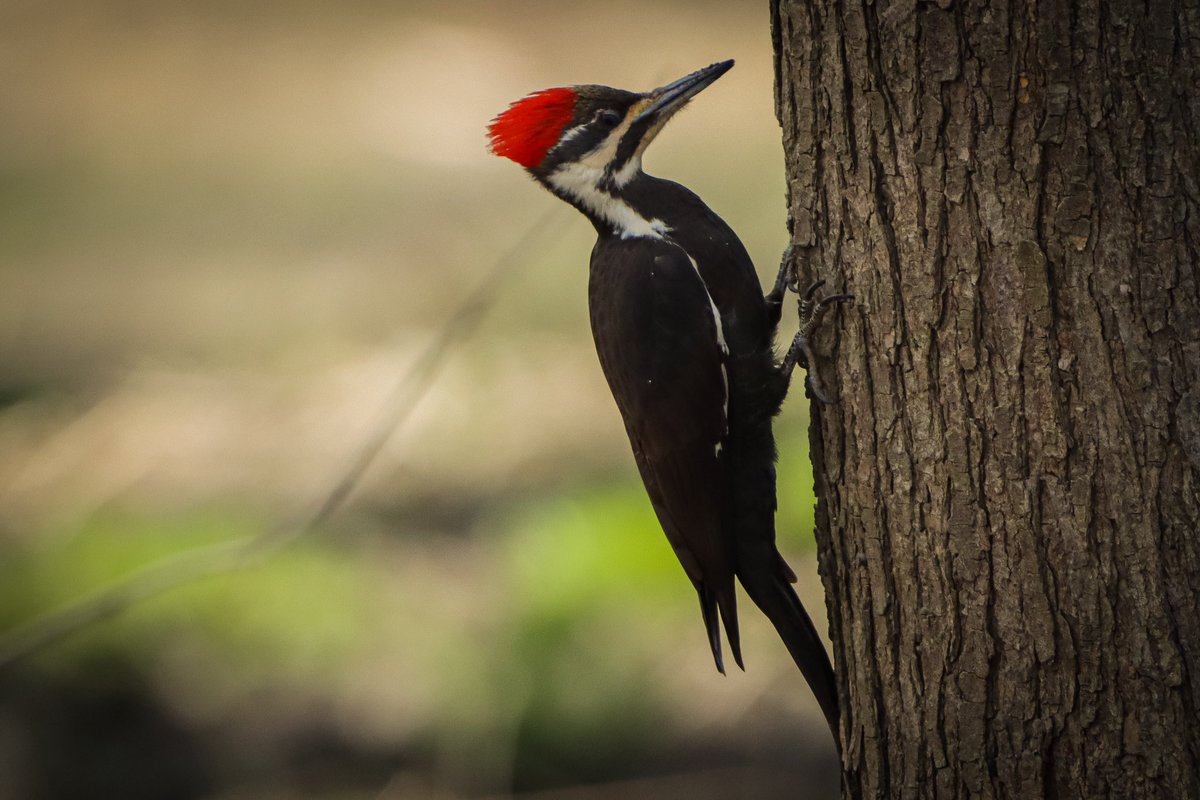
727	603
768	587
708	608
718	607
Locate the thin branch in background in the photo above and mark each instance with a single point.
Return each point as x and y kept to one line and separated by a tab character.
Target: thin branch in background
193	565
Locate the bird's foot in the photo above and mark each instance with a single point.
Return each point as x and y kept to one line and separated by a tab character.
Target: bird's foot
785	280
812	309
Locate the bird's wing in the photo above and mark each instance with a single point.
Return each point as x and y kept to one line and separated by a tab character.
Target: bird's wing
659	340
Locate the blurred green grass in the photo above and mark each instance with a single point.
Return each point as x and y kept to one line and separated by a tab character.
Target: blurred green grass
570	599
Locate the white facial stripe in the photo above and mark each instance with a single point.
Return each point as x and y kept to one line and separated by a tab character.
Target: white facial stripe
603	155
568	136
581	181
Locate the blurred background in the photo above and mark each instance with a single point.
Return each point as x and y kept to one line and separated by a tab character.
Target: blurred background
226	230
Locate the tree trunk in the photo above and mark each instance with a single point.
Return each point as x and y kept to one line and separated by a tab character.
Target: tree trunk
1009	487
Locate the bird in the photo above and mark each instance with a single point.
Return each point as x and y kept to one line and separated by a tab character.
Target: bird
686	341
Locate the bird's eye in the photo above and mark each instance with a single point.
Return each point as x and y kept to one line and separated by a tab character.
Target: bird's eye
608	118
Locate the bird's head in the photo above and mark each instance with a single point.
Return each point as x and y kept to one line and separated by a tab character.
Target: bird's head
582	139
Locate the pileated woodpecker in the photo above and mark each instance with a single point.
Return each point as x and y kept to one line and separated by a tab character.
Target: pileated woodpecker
686	340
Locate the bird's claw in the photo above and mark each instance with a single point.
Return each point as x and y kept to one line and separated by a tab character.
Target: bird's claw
812	310
802	353
786	280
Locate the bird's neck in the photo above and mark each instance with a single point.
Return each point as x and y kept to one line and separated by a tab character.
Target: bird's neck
610	200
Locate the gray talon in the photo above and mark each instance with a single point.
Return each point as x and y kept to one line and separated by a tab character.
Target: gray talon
812	310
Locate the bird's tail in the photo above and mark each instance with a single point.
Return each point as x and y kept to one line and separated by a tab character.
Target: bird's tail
719	606
769	587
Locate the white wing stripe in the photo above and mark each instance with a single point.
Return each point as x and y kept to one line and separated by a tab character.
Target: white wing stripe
720	338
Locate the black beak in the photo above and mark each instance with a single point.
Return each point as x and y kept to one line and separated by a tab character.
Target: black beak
666	100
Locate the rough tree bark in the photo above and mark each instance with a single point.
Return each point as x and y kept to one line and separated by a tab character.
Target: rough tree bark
1009	489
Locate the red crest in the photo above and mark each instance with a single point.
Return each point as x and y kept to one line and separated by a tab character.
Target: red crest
528	128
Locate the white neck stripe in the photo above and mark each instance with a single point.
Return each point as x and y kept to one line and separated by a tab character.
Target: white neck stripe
628	172
582	183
